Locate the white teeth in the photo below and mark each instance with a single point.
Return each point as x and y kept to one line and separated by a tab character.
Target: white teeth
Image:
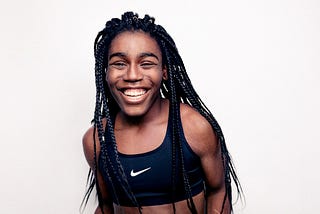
134	92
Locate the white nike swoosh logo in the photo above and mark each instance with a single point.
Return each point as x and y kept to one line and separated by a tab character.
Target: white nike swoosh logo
133	174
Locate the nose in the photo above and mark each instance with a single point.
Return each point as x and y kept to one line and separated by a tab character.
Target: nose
133	74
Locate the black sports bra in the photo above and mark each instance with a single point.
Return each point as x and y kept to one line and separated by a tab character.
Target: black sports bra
150	175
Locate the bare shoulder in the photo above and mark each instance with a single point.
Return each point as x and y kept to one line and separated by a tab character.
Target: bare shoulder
197	130
88	145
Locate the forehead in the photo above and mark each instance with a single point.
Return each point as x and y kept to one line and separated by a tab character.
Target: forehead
134	41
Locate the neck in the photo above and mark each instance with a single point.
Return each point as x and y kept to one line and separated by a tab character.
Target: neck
156	114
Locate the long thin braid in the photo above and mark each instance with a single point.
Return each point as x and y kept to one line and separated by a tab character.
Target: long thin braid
105	159
176	130
109	151
181	158
119	167
194	100
174	138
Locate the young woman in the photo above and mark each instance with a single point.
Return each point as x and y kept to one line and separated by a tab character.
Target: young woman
154	147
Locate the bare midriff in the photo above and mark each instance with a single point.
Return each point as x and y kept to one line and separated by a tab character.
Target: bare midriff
180	206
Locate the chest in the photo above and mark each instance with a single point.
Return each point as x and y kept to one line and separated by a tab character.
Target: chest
154	174
151	172
145	170
138	141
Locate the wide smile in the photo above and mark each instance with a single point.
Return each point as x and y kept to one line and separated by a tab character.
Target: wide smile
134	92
134	95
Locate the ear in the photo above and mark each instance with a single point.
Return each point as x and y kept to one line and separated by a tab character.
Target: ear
165	73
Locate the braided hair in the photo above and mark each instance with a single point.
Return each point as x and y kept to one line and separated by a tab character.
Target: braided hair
177	89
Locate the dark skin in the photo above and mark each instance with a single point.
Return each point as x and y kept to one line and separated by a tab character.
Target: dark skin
134	75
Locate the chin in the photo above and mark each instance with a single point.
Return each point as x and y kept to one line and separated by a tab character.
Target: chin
134	112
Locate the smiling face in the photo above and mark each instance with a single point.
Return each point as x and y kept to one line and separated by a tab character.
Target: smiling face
135	72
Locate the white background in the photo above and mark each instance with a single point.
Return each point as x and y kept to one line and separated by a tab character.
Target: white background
255	63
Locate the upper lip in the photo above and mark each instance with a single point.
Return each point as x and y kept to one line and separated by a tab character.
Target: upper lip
122	89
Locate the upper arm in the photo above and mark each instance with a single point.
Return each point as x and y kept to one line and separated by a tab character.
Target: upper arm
89	152
204	142
88	146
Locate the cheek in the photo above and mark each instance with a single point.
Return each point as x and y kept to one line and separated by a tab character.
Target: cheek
109	77
109	81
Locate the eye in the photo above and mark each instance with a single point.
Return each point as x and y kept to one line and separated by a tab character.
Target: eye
118	65
147	64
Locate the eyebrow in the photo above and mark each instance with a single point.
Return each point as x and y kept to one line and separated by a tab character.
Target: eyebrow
119	54
144	54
